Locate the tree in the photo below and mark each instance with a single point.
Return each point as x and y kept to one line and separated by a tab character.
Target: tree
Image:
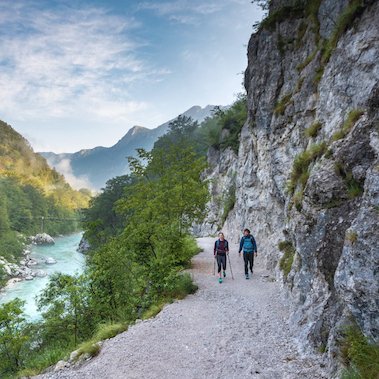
13	340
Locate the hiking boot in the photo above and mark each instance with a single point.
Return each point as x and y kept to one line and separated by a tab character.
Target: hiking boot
251	270
220	280
247	276
224	274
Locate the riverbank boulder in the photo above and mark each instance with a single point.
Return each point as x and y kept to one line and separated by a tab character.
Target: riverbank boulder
50	261
84	246
43	239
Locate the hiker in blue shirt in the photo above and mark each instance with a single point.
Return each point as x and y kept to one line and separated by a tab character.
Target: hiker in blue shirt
249	248
220	250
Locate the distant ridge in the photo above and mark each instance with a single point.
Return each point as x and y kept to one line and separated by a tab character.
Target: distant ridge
93	167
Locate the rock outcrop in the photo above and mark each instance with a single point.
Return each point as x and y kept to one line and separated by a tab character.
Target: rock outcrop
43	239
307	170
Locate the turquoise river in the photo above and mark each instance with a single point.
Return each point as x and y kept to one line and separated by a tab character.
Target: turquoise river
69	261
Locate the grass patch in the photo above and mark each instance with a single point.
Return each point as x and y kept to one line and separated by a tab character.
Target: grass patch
44	359
299	85
301	165
353	116
354	188
90	348
281	14
153	310
359	355
282	104
286	260
300	67
181	286
106	331
318	75
353	10
352	237
313	130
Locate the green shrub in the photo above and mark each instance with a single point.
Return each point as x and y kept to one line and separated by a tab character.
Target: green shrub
313	130
286	260
281	14
282	104
354	188
40	360
345	20
301	165
353	116
359	355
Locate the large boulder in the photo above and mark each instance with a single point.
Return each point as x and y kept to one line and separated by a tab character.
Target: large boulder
43	239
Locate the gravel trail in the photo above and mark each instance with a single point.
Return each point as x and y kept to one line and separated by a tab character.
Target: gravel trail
237	329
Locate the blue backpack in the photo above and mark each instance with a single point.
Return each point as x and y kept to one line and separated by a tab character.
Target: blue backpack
248	244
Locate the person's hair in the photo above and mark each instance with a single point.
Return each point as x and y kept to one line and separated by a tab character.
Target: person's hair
247	230
221	233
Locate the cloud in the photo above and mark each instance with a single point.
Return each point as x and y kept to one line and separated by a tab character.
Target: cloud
77	182
183	11
59	61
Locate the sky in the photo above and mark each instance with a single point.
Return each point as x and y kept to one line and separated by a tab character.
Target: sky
77	74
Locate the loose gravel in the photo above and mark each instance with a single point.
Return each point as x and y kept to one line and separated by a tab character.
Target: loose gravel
237	329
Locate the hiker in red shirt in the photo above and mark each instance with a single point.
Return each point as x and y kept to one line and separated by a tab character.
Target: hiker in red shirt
220	250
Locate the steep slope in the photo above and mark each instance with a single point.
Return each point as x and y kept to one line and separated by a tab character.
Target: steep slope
95	166
30	190
307	173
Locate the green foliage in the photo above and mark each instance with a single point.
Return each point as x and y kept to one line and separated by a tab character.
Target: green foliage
101	219
299	84
313	130
318	75
352	237
39	359
359	355
286	261
30	191
13	339
354	187
284	13
300	67
300	168
345	20
282	104
353	116
89	348
109	330
134	268
65	307
223	129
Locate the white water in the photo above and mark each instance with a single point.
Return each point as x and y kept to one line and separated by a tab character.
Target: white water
69	261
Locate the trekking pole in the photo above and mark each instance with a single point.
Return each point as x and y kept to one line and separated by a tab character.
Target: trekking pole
214	266
230	265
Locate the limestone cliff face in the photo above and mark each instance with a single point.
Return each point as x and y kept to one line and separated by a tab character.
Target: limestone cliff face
307	170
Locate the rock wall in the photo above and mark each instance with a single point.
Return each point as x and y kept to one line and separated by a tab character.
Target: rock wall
307	171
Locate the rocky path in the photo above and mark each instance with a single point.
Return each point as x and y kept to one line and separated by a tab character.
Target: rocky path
237	329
